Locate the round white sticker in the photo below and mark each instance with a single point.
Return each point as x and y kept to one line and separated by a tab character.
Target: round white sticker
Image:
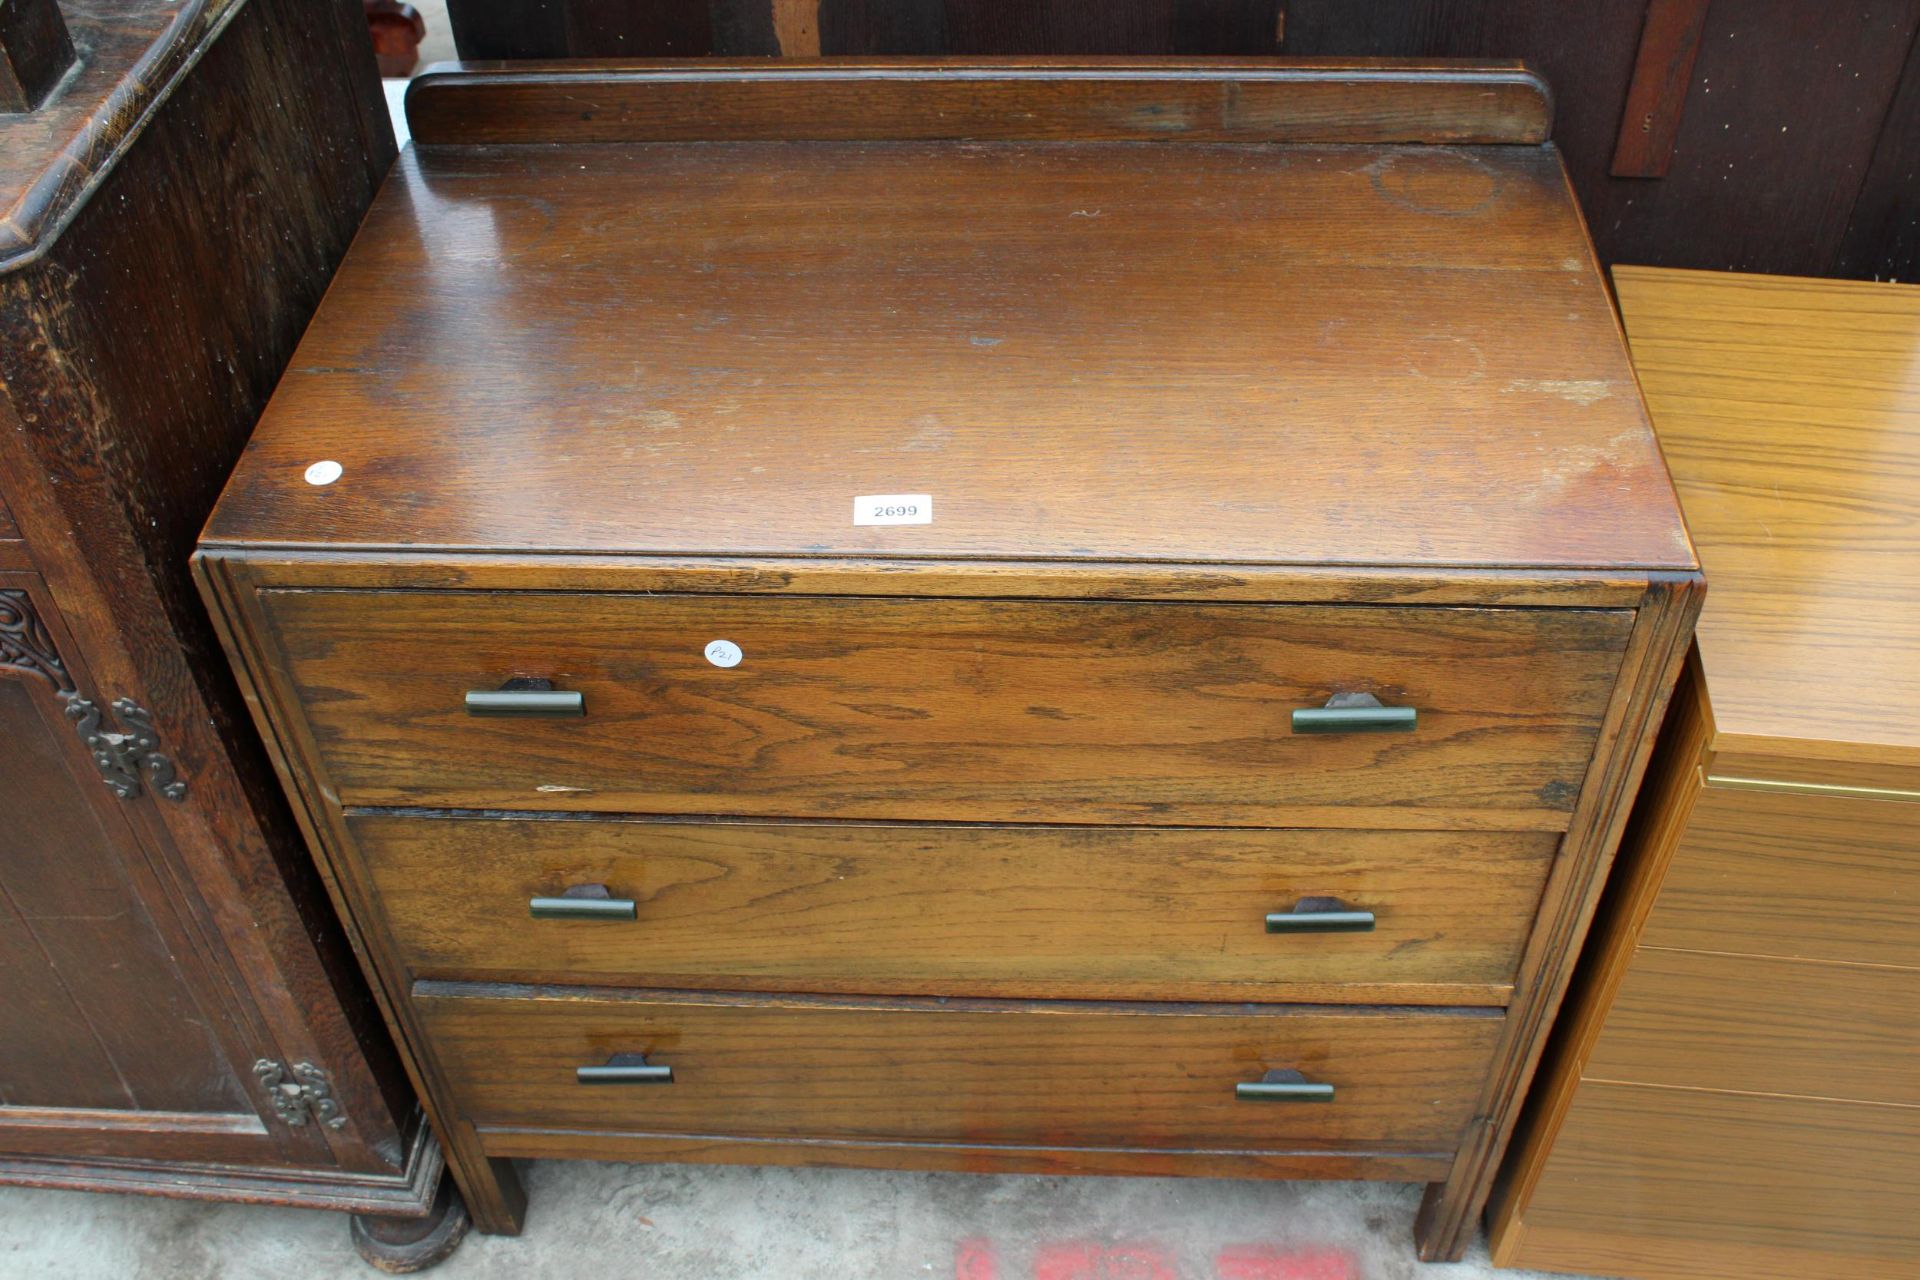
723	653
324	472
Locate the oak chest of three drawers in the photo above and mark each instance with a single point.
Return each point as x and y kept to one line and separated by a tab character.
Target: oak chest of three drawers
1054	617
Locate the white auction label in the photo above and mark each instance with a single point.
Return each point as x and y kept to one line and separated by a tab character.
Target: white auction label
723	653
893	508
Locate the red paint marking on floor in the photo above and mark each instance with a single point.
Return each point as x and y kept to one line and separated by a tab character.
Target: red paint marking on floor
976	1259
1265	1262
1083	1260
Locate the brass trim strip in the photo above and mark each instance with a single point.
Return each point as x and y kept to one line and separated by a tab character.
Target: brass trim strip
1810	788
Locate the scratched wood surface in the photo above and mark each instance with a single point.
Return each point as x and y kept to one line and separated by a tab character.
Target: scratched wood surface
1022	1074
963	709
1156	914
1238	353
1212	430
1300	100
169	218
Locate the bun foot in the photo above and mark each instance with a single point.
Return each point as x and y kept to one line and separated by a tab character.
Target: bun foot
401	1246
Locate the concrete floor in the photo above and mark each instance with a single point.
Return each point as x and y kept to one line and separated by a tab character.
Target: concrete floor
692	1222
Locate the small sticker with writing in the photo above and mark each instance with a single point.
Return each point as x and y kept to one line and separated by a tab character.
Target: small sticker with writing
893	508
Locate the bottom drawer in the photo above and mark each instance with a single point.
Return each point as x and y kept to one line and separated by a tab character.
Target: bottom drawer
1688	1184
979	1072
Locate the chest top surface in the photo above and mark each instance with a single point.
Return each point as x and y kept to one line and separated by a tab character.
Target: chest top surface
1359	353
1790	412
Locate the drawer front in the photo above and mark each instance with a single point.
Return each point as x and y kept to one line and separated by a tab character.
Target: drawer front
1080	913
1812	877
953	709
1687	1184
981	1072
1750	1024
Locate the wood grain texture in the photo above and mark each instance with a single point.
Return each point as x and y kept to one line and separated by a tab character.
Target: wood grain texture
901	99
491	1187
1790	413
1093	913
92	982
1657	93
1754	981
1658	821
51	159
1083	352
1749	1024
970	710
1674	1185
1811	877
1194	461
35	52
945	579
108	1166
1656	653
170	219
1790	118
1008	1073
959	1157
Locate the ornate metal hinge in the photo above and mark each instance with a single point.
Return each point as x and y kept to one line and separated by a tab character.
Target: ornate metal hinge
25	647
123	757
301	1094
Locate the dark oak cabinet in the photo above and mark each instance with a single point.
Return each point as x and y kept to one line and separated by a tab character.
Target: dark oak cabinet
179	1010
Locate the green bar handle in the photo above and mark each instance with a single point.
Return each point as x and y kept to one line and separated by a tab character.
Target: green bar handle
583	902
625	1068
526	701
1283	1086
1320	915
1355	719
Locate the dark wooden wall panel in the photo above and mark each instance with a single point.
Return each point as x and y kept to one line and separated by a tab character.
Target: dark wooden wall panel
1779	132
1883	235
883	26
1796	139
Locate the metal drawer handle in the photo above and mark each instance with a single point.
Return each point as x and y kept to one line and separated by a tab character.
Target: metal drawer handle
521	697
625	1068
1354	713
582	902
1320	915
1283	1086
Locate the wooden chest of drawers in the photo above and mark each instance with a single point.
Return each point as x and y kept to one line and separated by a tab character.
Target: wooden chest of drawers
1087	617
1734	1091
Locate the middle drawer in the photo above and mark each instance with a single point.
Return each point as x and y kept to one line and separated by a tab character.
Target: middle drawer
1141	913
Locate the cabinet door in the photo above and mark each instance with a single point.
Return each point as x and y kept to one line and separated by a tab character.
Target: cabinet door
115	1040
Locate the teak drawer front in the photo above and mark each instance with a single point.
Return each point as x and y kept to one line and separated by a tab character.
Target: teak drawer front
1814	877
1753	1024
1683	1184
987	1072
1146	913
953	709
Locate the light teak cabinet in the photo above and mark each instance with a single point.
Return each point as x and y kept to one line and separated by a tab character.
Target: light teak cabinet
1732	1092
1213	777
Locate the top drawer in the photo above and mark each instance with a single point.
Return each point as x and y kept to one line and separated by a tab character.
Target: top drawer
968	710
